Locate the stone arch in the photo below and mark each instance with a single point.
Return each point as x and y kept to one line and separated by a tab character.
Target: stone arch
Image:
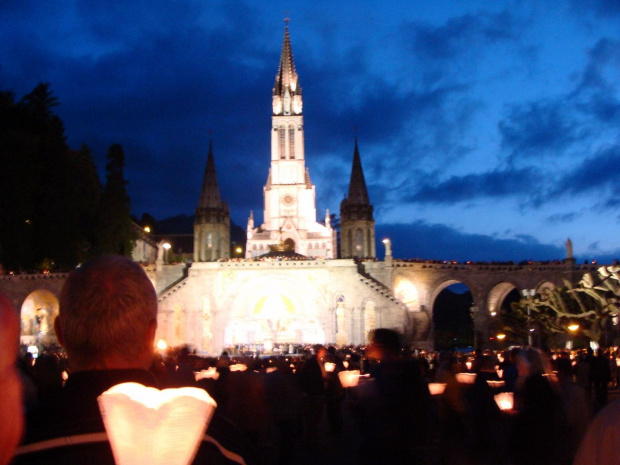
496	296
456	327
38	312
289	242
369	320
543	286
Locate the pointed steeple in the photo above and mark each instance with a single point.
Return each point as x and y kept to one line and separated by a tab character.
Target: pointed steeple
358	194
286	90
210	195
212	223
357	226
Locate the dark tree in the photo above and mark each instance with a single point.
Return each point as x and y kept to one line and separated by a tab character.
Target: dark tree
48	192
115	230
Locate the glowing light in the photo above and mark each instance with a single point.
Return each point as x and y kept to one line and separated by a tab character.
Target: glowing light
140	421
505	400
349	378
466	378
209	373
329	367
166	245
573	327
161	345
346	363
238	367
147	229
496	384
436	389
468	365
501	336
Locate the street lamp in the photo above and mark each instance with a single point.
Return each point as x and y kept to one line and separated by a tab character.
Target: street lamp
573	327
388	247
528	294
166	246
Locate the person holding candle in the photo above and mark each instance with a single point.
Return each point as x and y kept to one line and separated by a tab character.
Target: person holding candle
107	323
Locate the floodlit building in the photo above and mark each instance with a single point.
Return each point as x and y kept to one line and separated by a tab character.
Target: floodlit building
290	288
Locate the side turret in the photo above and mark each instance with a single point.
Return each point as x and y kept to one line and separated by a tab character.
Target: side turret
357	225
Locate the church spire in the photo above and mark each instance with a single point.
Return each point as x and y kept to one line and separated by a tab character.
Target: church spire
210	195
286	90
358	194
357	226
212	223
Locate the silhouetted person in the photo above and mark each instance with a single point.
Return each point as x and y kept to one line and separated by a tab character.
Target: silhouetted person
10	386
392	409
107	323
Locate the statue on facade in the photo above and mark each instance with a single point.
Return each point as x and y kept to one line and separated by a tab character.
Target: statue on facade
569	248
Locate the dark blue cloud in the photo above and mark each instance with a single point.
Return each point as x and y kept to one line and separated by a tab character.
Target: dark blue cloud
440	242
593	174
538	128
494	184
460	33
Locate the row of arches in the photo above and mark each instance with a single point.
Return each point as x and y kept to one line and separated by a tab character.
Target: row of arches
452	306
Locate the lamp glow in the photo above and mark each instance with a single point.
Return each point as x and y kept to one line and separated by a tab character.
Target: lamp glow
436	389
146	425
573	327
501	336
209	373
349	378
466	378
238	367
329	367
496	384
505	400
161	345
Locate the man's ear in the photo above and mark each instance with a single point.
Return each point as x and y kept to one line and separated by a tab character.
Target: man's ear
58	330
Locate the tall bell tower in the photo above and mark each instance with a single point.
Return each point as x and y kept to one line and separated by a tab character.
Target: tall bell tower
357	225
289	196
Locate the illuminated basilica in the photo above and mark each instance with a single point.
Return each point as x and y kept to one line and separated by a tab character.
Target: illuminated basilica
291	288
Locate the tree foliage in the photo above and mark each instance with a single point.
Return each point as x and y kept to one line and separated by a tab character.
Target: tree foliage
591	303
115	226
50	195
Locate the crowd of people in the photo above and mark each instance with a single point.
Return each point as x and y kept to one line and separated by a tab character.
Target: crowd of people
292	407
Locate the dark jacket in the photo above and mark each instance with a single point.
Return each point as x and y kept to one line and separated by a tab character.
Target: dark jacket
72	430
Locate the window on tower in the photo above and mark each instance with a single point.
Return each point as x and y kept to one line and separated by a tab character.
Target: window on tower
282	134
291	141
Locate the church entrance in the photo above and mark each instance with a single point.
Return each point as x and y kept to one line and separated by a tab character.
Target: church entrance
289	244
273	312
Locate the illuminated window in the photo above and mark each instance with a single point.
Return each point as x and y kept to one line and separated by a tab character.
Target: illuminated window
359	242
282	133
291	141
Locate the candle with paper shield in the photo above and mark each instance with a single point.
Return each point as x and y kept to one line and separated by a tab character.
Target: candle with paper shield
505	400
329	366
209	373
436	389
466	378
146	425
349	378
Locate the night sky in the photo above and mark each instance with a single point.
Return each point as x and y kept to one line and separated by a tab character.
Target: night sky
487	130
